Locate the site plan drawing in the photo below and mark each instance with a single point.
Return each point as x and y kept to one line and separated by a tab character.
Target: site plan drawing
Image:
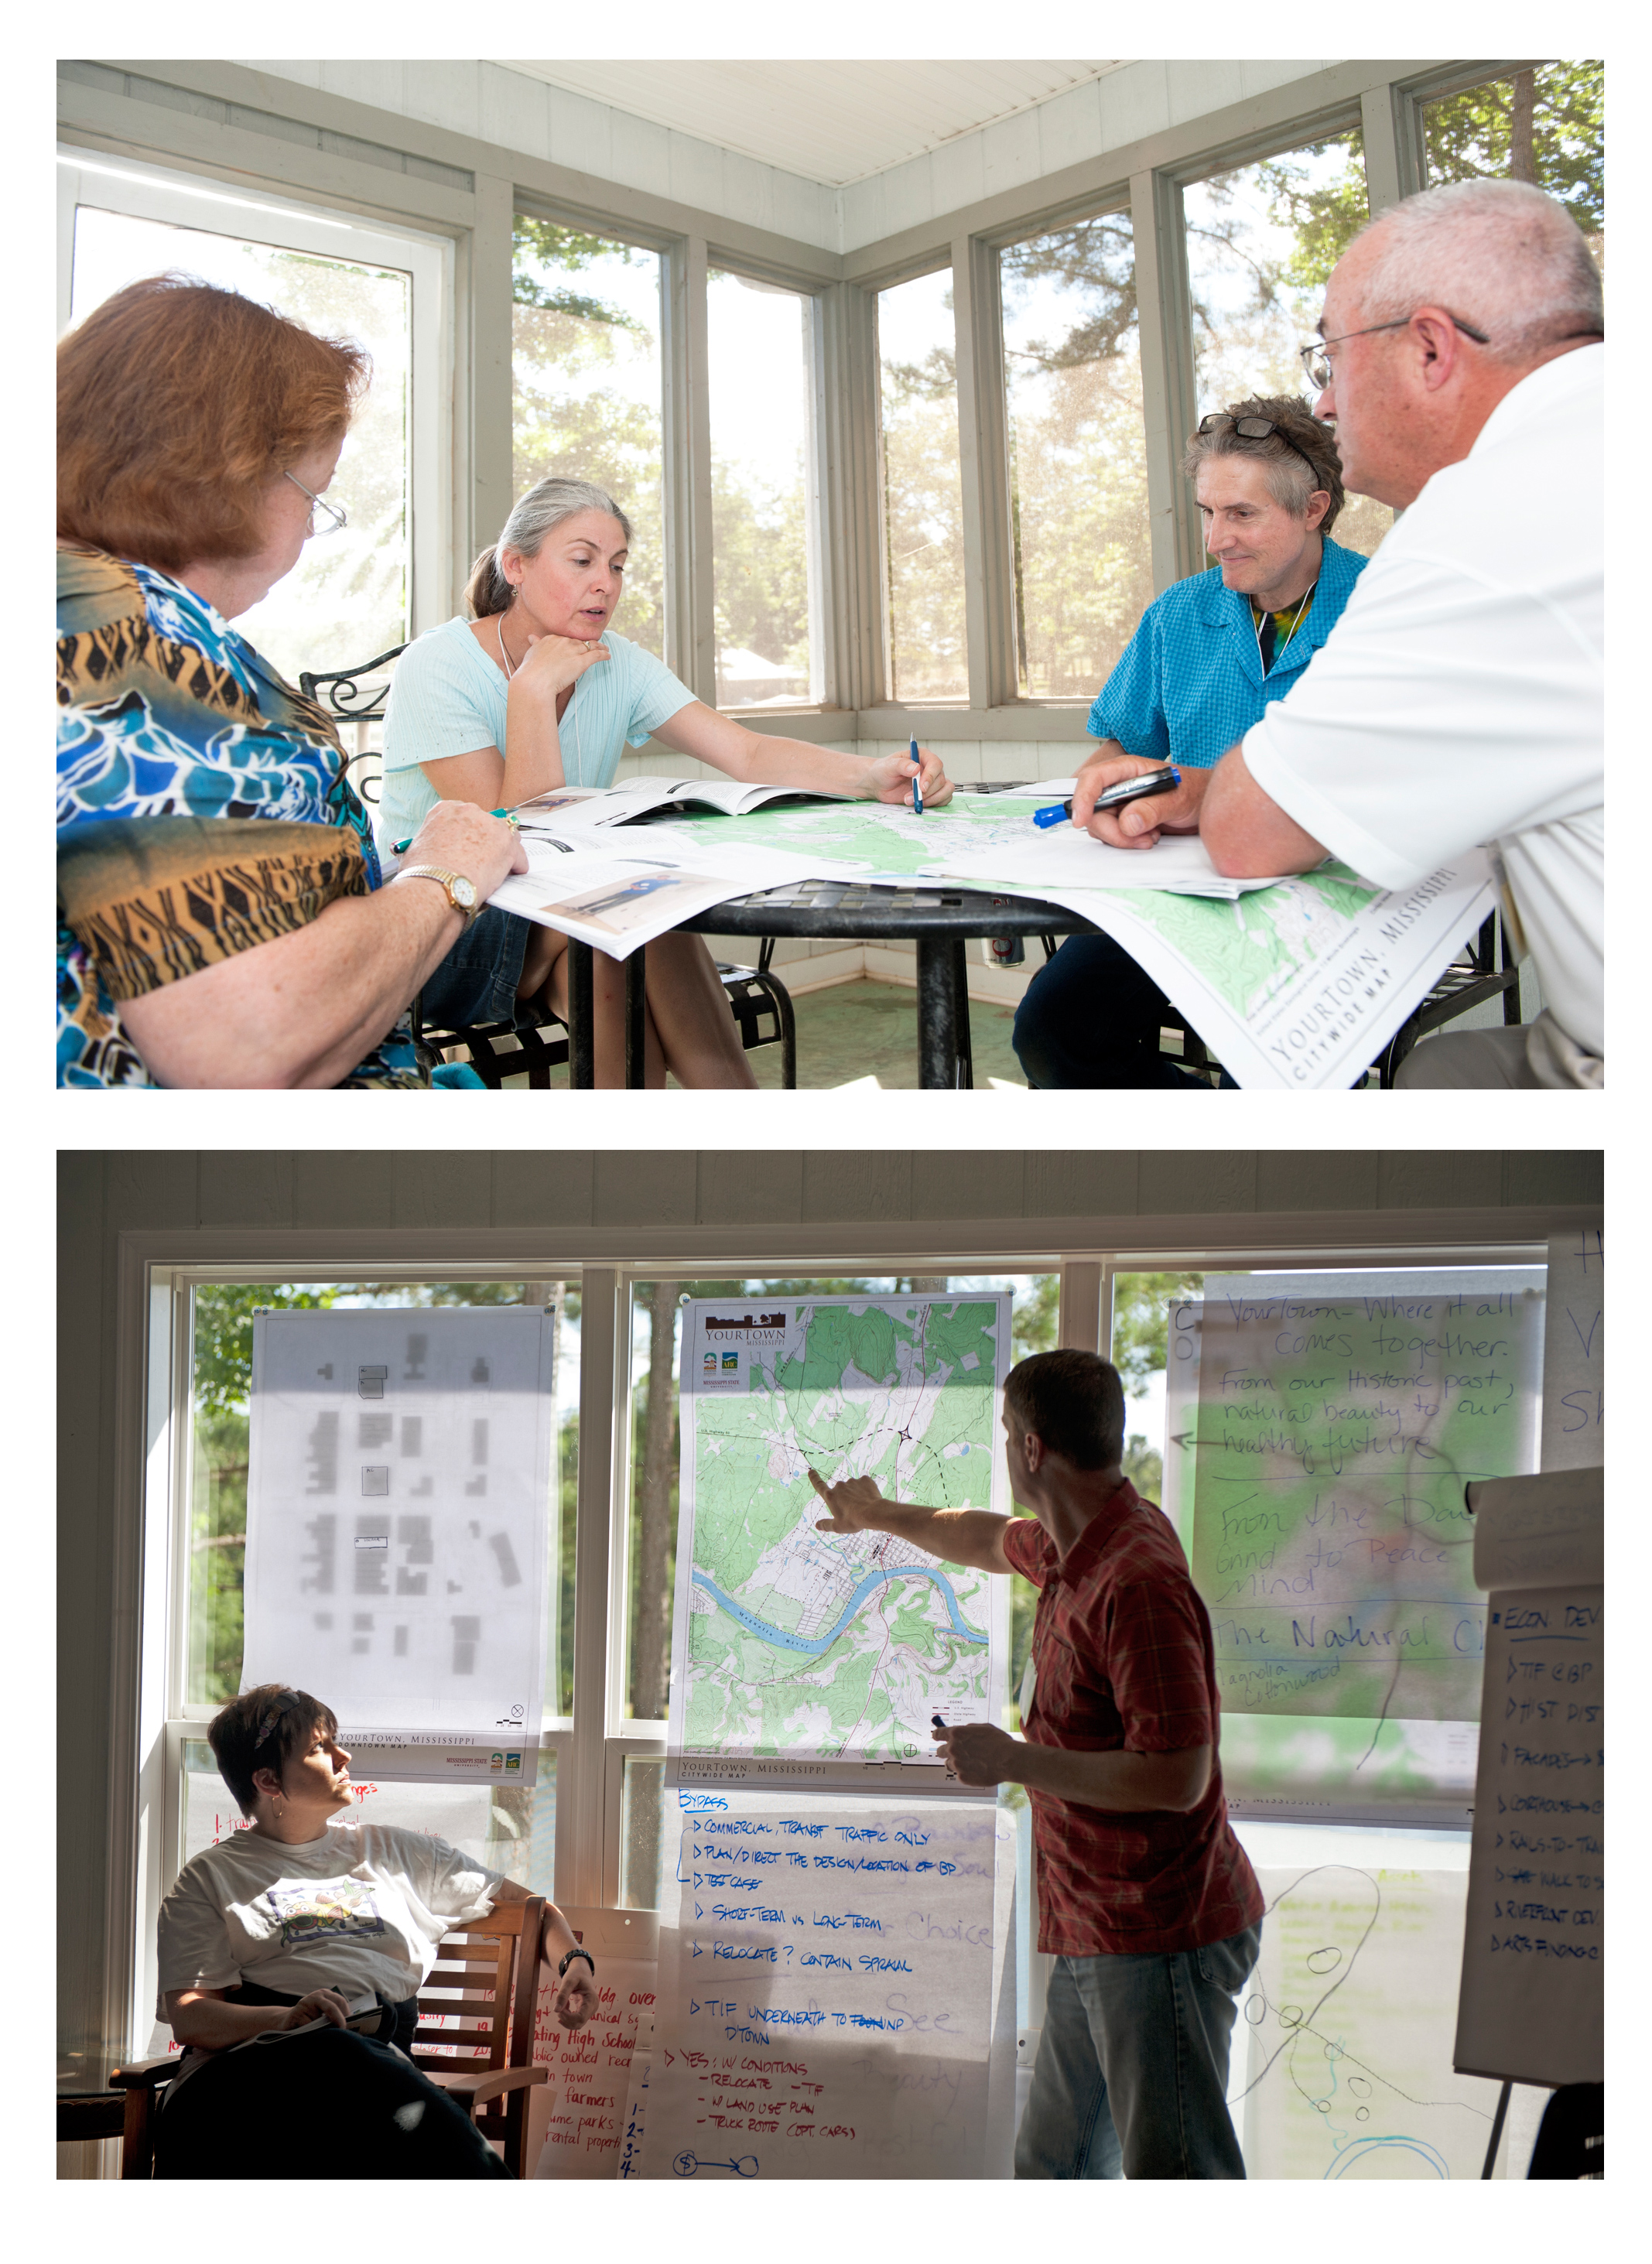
398	1503
793	1646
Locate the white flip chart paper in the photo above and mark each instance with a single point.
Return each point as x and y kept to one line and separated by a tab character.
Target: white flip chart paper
1532	2003
398	1505
830	1982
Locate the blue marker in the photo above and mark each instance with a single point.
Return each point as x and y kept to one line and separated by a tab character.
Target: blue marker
1131	790
917	799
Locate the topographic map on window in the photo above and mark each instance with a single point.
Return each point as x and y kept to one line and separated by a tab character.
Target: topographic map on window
794	1647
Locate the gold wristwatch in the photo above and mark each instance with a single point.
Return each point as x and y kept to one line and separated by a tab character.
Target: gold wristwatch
462	893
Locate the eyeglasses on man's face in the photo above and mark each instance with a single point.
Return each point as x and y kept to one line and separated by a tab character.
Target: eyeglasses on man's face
1315	359
333	518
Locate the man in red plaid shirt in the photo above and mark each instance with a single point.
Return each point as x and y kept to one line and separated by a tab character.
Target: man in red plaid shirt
1146	1899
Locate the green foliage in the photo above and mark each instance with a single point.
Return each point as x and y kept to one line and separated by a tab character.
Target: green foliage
1140	1319
1034	1320
1324	220
760	542
1546	125
1144	1467
1096	259
538	244
585	397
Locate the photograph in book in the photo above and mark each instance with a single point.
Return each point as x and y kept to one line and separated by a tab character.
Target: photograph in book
827	1647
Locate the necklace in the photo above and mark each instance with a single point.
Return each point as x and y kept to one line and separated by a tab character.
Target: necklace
498	630
1301	607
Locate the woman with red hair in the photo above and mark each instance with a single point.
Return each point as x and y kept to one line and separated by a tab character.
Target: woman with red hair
222	918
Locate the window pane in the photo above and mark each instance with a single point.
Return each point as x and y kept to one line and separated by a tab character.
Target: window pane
655	1347
1546	125
359	577
762	493
222	1376
586	391
512	1828
1261	243
922	496
1349	1494
1078	482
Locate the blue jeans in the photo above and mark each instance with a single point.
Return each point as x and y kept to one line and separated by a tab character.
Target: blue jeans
1131	2072
477	981
1090	1018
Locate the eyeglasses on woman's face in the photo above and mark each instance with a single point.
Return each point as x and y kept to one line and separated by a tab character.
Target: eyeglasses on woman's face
333	518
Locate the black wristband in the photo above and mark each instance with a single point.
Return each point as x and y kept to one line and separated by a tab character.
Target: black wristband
569	1958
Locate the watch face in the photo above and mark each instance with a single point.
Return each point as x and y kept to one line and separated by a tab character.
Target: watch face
464	891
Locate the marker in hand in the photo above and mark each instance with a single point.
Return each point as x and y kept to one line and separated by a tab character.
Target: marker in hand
917	799
401	848
1130	789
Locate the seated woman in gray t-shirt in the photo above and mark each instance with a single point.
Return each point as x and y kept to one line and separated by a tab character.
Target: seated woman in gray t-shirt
538	691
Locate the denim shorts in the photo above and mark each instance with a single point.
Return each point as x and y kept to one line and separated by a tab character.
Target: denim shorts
477	981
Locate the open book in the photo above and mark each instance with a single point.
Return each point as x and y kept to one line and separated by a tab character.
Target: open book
566	806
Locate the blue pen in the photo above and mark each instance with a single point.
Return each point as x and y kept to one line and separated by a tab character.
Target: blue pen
917	799
1134	789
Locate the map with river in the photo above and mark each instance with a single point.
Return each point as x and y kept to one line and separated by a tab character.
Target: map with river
791	1642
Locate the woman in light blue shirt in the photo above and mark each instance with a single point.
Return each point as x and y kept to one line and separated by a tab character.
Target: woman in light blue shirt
538	691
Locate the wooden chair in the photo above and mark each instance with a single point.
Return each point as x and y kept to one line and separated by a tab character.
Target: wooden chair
474	2039
758	998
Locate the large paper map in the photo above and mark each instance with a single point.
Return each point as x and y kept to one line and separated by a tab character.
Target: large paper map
866	839
817	1646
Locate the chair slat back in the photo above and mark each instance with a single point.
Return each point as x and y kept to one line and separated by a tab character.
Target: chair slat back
491	1963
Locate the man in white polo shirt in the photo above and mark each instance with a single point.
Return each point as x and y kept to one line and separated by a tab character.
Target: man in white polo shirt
1460	698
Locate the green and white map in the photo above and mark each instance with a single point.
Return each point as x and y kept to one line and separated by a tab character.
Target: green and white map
810	1646
867	839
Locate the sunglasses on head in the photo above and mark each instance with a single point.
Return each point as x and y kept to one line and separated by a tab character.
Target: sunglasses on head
1257	428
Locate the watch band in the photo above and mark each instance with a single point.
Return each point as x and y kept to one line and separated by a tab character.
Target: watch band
569	1957
450	883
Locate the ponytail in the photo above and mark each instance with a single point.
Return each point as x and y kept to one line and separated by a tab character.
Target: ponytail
488	592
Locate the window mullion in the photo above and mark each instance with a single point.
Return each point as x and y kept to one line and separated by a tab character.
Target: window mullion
1167	372
579	1800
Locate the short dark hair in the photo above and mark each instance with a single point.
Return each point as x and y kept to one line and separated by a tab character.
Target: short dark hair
1074	1401
1286	476
265	1728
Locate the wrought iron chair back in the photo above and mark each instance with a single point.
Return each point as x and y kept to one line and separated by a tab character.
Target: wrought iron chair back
348	697
535	1040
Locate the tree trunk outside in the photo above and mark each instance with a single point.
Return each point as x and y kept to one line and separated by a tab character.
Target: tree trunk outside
1522	152
650	1653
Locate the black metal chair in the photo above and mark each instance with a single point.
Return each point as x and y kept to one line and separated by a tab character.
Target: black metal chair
759	1001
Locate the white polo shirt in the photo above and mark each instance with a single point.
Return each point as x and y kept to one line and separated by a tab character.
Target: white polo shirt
1460	698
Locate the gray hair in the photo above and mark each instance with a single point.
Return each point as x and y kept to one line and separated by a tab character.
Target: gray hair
541	509
1499	254
1289	478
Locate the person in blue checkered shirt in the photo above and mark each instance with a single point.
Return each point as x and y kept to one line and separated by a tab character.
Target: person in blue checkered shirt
1210	654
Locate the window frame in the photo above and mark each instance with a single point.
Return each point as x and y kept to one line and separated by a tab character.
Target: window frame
151	1719
462	192
143	191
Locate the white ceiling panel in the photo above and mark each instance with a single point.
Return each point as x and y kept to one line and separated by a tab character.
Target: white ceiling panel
834	122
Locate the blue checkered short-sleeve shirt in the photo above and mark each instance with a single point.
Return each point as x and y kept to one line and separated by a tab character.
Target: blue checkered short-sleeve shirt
1189	685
